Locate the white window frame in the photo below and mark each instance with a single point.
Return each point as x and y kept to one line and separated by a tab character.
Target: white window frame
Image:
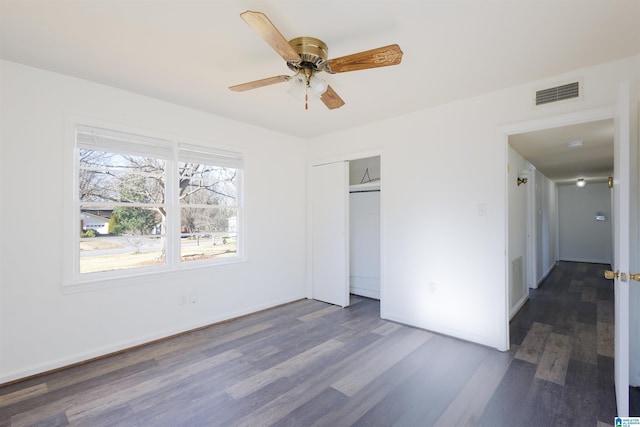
73	280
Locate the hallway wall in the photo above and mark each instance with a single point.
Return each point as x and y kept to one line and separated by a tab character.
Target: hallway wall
517	217
581	237
546	226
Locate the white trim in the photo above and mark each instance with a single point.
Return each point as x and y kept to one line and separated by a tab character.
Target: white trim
545	275
514	310
587	260
127	344
348	157
72	280
560	120
443	329
503	341
503	137
531	259
342	158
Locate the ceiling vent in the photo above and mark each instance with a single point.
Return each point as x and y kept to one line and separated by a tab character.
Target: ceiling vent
558	93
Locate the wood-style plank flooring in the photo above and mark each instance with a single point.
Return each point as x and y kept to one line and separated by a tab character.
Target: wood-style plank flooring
312	364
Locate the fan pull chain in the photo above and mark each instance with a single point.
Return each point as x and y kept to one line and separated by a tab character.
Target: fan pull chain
306	97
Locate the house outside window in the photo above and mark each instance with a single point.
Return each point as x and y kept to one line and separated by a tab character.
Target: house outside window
146	204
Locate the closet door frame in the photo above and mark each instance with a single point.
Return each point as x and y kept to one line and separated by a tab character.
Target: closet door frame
335	159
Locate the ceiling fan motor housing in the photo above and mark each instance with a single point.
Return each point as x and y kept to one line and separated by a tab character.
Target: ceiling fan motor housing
313	54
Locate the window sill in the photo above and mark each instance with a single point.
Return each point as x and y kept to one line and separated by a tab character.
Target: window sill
94	283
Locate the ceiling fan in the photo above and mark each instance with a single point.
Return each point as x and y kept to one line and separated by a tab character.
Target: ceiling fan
307	56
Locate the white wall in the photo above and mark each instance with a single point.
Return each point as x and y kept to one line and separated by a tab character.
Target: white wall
364	229
517	216
42	326
444	260
364	169
364	244
546	211
444	236
581	237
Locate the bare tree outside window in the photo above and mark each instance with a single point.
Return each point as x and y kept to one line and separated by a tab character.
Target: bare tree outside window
208	200
129	193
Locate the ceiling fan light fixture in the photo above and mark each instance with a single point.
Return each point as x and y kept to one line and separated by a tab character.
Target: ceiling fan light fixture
306	56
297	86
317	85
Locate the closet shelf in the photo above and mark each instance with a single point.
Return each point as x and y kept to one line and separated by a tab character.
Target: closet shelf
367	186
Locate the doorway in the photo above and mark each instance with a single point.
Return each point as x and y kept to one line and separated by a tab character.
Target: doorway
550	217
346	229
623	185
364	227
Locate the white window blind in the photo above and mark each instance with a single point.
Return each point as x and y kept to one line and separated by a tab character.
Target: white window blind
189	153
112	141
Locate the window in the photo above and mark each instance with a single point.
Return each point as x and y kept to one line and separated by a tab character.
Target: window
147	204
208	194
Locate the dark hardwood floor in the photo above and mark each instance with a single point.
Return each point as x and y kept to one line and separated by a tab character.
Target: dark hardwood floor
562	343
312	364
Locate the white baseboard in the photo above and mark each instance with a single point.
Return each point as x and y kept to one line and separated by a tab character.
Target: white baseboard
71	360
590	261
518	305
544	276
365	286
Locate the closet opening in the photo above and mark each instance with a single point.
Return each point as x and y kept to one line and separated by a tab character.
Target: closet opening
364	227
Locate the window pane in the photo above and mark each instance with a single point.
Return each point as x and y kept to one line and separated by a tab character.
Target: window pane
123	204
120	252
207	185
208	233
121	237
111	177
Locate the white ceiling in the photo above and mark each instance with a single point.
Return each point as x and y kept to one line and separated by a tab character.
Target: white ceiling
189	52
566	153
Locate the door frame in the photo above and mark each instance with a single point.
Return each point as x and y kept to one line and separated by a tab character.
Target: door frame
346	158
504	132
532	229
625	230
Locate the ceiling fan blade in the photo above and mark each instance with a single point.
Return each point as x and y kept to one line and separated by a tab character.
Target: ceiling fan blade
259	83
263	26
331	99
380	57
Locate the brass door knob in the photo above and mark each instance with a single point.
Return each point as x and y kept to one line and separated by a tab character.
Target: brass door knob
608	274
635	276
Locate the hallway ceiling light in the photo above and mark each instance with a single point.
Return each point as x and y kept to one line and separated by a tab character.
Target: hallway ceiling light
581	182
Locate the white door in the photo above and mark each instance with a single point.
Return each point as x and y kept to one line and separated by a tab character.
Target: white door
621	208
330	232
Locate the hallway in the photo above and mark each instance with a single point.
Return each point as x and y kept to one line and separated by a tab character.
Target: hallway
562	343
